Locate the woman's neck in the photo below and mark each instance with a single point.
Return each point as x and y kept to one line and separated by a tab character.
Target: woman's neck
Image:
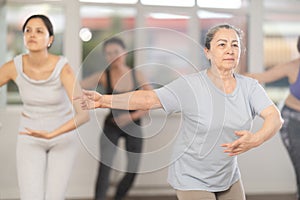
224	75
37	58
224	80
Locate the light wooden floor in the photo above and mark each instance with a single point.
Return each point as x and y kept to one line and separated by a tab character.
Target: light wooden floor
249	197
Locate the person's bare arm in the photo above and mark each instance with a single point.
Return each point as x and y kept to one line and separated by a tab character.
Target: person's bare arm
136	100
275	73
7	72
73	88
272	124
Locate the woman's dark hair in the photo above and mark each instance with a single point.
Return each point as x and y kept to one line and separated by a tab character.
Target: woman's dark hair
212	31
114	40
298	44
46	21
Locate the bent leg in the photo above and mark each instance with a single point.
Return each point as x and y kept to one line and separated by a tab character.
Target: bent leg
108	143
291	139
61	157
235	192
134	148
31	166
294	149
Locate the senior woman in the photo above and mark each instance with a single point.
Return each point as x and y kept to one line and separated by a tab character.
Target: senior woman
218	107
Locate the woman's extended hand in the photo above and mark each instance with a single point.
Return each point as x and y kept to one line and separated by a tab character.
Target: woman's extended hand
246	142
89	99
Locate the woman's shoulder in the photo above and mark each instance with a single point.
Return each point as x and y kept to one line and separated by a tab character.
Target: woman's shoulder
295	64
195	78
9	65
57	58
9	70
195	74
246	82
61	65
244	78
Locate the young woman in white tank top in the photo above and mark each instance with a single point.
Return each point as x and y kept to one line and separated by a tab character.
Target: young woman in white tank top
47	143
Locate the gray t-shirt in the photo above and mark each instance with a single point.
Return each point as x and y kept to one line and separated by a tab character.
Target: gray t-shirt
209	119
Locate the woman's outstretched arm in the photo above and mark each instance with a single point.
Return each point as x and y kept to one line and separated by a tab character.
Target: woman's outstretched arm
136	100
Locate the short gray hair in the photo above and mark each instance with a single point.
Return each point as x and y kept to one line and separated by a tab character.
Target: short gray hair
212	31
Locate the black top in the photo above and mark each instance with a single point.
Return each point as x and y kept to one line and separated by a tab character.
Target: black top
110	90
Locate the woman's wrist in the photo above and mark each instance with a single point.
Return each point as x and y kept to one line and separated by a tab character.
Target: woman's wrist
105	101
258	139
51	135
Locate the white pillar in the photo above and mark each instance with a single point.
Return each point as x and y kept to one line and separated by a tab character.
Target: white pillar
194	32
255	37
72	43
2	49
139	57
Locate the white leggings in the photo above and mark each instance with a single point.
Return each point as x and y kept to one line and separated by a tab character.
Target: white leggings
44	166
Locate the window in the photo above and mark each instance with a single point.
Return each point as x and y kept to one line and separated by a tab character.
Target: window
179	3
166	46
230	4
281	32
102	23
111	1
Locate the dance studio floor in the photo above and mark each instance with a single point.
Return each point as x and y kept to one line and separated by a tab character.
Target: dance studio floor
249	197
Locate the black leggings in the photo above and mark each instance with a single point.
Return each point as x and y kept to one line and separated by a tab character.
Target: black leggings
290	134
108	146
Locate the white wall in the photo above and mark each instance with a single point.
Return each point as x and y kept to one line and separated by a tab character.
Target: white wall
266	169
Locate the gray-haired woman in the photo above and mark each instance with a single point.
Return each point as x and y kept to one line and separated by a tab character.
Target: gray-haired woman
218	107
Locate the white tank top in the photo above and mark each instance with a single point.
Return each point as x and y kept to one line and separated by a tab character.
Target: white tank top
43	98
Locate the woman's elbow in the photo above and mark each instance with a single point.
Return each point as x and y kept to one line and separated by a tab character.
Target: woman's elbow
273	116
86	117
281	121
278	119
151	101
83	118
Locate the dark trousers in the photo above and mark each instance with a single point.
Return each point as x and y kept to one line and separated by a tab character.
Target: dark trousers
108	146
290	134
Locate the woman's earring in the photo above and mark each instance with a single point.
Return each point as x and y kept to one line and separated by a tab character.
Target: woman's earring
49	45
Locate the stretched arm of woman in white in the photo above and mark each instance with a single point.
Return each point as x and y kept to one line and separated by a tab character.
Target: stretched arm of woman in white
247	140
